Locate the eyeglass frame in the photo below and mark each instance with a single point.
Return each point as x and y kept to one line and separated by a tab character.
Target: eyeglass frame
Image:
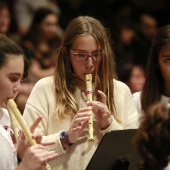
87	55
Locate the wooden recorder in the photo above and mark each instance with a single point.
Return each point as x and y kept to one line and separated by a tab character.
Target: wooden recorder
89	98
12	107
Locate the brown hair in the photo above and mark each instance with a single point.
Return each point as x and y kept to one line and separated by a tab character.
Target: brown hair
152	139
7	47
64	76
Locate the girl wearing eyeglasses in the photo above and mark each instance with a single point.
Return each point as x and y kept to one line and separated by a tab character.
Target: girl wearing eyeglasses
61	99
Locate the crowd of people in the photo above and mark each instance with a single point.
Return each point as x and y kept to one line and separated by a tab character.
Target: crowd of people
130	68
131	28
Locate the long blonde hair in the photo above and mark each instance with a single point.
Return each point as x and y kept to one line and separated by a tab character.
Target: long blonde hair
65	85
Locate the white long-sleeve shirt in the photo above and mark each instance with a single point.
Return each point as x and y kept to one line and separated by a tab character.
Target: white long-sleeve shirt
137	102
8	155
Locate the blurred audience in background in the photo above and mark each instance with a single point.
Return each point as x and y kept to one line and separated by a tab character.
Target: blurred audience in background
126	46
133	76
8	25
132	28
146	31
24	12
38	45
5	18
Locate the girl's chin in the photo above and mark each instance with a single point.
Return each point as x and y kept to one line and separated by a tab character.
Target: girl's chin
3	105
82	78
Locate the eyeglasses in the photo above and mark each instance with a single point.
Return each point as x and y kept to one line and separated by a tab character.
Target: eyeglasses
82	57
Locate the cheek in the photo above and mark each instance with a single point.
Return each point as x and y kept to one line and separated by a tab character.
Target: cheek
75	65
98	65
5	86
165	71
4	91
77	68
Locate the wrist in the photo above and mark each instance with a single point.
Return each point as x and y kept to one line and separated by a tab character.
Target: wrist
107	124
64	138
21	166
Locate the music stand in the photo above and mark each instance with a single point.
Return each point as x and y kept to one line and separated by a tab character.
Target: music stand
115	152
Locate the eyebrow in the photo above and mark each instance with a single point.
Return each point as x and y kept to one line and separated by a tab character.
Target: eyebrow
84	51
166	55
14	74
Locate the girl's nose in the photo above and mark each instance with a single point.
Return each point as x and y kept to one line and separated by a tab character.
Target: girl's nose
89	62
17	88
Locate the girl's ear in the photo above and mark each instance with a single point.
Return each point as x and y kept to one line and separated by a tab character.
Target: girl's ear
65	53
64	50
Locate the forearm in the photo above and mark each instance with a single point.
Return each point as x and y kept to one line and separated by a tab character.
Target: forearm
59	147
21	166
114	126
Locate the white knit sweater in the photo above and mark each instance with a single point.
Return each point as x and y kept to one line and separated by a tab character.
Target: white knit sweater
42	103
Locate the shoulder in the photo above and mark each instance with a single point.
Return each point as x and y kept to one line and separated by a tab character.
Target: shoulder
122	92
120	87
46	81
4	117
137	102
120	84
42	93
136	96
44	85
125	109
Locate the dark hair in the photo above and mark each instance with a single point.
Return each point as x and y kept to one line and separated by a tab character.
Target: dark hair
152	139
8	47
9	5
126	72
39	16
154	85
